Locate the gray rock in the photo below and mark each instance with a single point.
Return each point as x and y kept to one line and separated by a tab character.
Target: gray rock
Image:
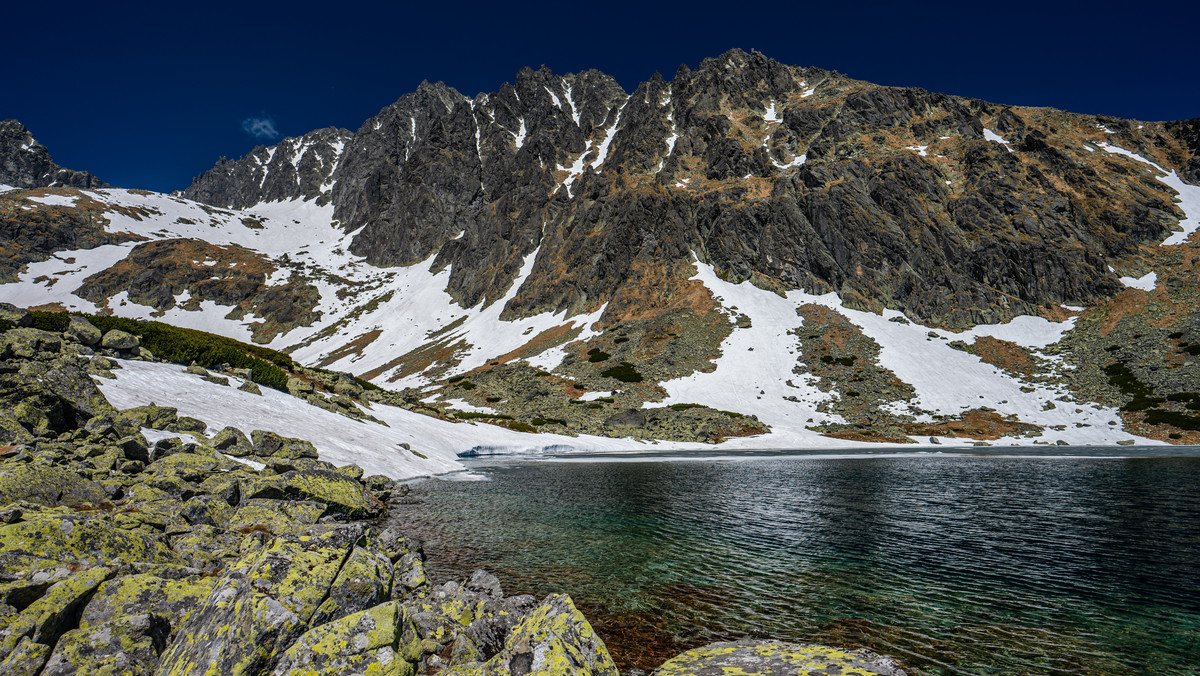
83	331
117	339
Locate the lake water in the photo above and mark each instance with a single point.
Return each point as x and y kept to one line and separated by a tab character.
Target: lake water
953	564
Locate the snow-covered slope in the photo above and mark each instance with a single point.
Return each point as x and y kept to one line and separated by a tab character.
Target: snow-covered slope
368	318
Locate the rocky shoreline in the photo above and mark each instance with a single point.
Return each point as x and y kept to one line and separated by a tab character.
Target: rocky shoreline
131	542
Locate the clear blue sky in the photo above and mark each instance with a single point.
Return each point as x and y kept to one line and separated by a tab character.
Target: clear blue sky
148	95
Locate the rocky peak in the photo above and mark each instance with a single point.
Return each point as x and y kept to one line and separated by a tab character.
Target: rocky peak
25	163
295	168
956	211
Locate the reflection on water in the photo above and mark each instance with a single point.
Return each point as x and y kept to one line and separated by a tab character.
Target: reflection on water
954	565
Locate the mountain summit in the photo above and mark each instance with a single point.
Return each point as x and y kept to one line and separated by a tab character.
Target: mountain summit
747	248
25	163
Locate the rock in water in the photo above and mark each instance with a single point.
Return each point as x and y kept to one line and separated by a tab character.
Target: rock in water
776	658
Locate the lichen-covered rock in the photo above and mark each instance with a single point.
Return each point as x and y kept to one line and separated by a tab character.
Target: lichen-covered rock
380	640
553	640
153	416
269	444
192	467
342	494
146	593
26	659
117	339
83	331
46	485
298	387
54	613
251	387
365	580
776	658
232	441
29	343
123	645
17	315
207	510
79	539
261	605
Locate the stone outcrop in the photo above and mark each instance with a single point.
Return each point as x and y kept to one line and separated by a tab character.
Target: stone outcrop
295	168
776	658
25	163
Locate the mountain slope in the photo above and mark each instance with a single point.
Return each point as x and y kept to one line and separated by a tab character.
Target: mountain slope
748	248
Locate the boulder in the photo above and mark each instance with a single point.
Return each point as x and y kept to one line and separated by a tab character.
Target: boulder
119	597
232	441
83	331
298	387
270	444
152	416
29	343
379	640
54	613
261	605
26	659
776	658
46	485
553	640
342	494
365	580
117	339
16	315
82	539
125	645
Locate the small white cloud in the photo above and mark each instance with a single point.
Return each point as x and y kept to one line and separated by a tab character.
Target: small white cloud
260	128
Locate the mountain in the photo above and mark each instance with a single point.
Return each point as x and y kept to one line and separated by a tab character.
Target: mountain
749	253
25	163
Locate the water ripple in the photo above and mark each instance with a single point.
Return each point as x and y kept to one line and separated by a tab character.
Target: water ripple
957	565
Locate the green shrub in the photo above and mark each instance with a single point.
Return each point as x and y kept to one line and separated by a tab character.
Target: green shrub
596	355
50	321
684	407
521	427
184	346
620	339
624	372
466	385
469	415
1181	420
454	379
6	325
538	422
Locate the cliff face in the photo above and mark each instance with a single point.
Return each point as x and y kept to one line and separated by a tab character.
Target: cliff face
295	168
954	211
25	163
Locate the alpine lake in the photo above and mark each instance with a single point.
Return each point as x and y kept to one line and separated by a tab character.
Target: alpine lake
981	561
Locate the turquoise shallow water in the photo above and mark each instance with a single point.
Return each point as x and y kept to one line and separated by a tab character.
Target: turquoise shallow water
955	565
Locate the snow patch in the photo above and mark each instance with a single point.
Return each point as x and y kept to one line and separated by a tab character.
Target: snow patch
992	136
1146	282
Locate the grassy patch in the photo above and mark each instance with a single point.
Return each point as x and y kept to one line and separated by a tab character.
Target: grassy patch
538	422
684	407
